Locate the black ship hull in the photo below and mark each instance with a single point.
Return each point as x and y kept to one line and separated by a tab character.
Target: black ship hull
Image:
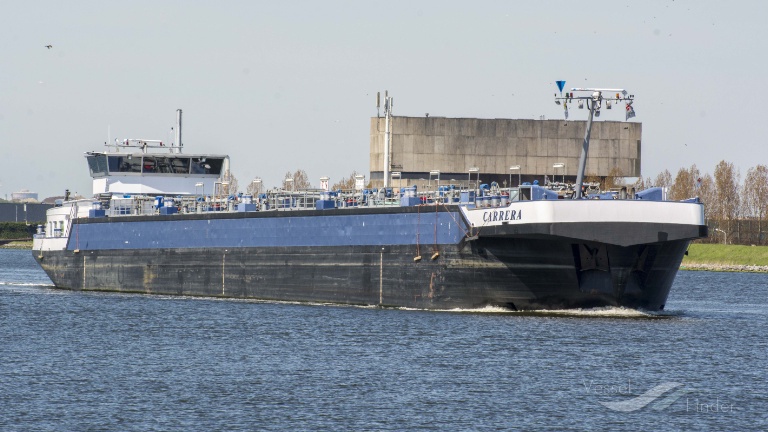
523	273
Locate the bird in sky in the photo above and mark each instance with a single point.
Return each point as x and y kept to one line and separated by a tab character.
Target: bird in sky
49	46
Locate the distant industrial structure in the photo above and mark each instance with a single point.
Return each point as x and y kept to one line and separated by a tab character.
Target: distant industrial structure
24	195
453	150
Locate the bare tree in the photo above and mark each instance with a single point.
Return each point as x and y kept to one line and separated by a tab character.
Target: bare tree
684	186
611	180
229	183
726	193
664	179
680	187
300	180
346	182
254	188
639	184
707	195
755	196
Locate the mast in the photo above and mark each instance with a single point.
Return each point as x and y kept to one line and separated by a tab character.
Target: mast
177	130
387	133
594	103
584	151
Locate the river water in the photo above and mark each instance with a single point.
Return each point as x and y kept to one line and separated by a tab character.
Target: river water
98	361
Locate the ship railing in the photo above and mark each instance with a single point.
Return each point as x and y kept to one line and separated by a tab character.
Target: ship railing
288	200
133	206
377	201
273	200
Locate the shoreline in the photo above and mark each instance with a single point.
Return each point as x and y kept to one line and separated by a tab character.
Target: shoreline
726	258
21	244
722	267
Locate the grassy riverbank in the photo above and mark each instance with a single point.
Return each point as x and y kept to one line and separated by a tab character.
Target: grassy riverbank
719	257
17	244
16	235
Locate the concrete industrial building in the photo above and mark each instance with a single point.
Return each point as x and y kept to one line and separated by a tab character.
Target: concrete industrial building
453	146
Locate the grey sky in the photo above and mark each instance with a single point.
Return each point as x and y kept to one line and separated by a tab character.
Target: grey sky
286	85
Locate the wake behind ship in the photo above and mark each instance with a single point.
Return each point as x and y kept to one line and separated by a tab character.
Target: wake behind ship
163	222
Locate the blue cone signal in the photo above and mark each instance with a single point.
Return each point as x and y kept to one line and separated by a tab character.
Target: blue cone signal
560	85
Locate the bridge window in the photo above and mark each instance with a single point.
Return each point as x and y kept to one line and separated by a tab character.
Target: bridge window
163	165
123	164
97	164
179	165
149	165
207	165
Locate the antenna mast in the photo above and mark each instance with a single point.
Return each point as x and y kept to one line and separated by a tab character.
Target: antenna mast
177	129
387	133
594	102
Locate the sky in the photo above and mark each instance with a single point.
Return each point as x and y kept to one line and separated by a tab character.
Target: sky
288	85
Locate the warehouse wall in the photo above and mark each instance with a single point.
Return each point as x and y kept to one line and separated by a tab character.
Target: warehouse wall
14	212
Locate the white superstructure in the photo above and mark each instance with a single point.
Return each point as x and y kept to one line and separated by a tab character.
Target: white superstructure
150	167
155	173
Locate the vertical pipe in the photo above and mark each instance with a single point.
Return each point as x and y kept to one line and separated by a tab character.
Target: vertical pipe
381	277
584	151
387	102
177	138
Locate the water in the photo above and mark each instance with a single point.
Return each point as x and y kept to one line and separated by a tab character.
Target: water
97	361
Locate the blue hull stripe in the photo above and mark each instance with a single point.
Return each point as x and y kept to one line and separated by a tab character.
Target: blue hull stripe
346	230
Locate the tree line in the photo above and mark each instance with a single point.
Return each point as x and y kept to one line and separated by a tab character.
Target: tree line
734	211
16	230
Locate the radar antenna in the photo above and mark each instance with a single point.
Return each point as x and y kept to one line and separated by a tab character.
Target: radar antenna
594	101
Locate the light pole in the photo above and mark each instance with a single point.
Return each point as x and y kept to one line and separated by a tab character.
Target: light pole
519	175
725	236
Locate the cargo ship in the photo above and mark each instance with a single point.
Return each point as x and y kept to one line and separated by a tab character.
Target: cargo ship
163	222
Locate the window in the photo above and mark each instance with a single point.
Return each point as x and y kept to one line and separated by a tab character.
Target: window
215	164
149	165
179	165
97	164
207	165
122	164
163	165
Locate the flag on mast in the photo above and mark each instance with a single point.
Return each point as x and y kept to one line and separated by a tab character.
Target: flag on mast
630	111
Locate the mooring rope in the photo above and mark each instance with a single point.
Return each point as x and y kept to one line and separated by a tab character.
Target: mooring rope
466	234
